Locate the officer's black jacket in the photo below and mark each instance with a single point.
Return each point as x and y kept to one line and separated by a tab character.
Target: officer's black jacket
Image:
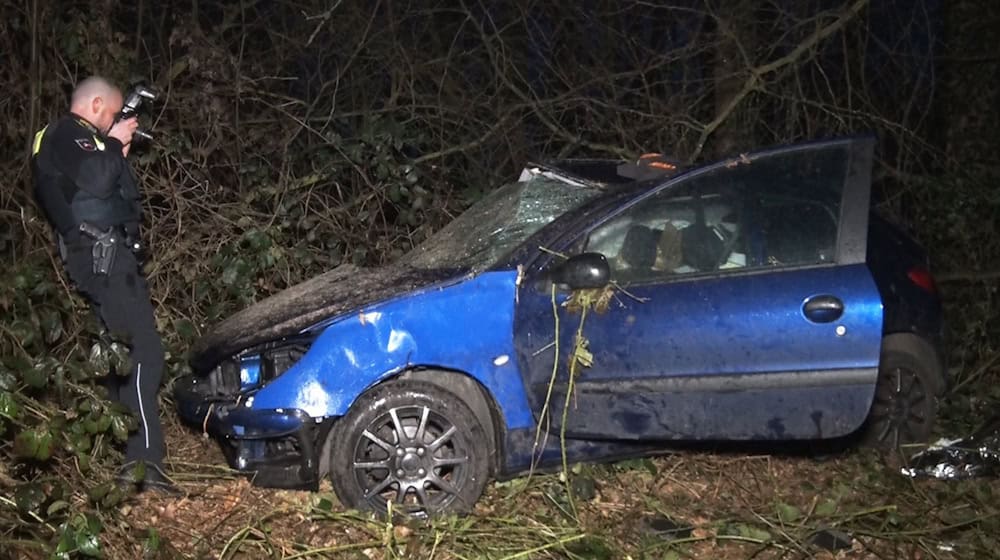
80	175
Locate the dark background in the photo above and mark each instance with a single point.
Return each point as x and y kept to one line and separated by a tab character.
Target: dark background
292	136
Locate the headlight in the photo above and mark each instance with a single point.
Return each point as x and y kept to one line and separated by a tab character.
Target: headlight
254	367
249	371
258	368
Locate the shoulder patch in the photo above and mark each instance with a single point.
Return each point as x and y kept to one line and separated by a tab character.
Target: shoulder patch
86	144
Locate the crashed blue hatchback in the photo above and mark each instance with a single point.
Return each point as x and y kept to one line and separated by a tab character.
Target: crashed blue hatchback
757	298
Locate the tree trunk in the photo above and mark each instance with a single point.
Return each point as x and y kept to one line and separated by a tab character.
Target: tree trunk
735	42
968	105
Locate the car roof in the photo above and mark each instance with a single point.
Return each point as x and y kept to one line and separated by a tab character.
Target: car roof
614	171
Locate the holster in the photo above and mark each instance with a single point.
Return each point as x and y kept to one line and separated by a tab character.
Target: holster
105	246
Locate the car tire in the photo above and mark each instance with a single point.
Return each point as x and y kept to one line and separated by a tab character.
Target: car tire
905	403
379	456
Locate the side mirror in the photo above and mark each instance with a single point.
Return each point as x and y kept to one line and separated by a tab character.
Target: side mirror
583	271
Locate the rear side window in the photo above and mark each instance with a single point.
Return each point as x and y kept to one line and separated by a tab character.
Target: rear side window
797	232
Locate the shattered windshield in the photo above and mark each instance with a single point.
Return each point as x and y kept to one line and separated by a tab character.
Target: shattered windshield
501	221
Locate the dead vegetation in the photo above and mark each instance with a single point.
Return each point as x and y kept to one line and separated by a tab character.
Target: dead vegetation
295	136
695	504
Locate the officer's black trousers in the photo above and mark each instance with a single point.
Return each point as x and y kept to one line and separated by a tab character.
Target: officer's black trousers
121	299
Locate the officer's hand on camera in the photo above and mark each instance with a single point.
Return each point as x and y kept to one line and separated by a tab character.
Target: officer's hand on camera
123	131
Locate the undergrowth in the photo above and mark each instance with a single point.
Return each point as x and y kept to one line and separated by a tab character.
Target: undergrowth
291	138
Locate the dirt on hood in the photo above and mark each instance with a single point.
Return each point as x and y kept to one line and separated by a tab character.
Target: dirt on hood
291	311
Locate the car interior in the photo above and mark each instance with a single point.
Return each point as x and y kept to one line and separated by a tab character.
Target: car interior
697	234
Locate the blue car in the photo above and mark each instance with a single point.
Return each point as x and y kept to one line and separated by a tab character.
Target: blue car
594	308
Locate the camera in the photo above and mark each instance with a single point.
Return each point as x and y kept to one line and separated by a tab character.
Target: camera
130	108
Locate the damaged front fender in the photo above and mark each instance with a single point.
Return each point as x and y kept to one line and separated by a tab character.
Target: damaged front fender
466	326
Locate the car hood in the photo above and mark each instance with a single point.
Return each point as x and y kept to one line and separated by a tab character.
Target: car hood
291	311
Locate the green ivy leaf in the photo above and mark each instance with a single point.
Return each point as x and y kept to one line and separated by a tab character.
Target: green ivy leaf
826	508
746	531
117	408
90	424
36	377
99	360
103	423
55	507
85	405
80	443
114	496
24	331
97	493
788	513
8	406
119	357
52	326
755	533
94	524
34	444
230	274
88	544
8	381
66	545
257	240
324	504
44	450
29	497
120	427
83	462
26	444
645	464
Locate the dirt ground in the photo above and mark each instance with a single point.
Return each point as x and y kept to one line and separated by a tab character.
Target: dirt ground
691	504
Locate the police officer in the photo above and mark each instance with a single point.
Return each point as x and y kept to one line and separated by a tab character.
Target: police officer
89	194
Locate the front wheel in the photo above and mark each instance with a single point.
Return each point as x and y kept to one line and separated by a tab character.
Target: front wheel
410	444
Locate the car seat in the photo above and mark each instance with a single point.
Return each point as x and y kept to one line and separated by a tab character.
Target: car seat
638	250
701	247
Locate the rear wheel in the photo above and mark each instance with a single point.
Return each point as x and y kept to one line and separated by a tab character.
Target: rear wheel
412	444
905	404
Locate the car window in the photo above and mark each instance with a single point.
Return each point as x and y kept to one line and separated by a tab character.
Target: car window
670	234
796	232
779	210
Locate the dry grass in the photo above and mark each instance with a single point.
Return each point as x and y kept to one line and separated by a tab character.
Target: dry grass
733	504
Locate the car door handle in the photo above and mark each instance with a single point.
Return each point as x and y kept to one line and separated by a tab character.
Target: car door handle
823	309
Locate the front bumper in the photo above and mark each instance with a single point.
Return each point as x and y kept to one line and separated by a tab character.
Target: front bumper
276	448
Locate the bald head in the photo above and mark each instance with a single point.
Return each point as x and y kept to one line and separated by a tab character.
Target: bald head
98	101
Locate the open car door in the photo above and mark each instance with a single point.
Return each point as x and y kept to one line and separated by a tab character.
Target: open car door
743	307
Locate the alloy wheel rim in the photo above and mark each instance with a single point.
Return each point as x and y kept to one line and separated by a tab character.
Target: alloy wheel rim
898	411
412	457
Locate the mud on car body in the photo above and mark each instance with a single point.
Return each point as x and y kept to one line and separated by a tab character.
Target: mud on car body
755	299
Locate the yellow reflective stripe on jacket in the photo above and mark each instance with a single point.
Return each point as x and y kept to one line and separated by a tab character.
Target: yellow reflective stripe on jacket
37	144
